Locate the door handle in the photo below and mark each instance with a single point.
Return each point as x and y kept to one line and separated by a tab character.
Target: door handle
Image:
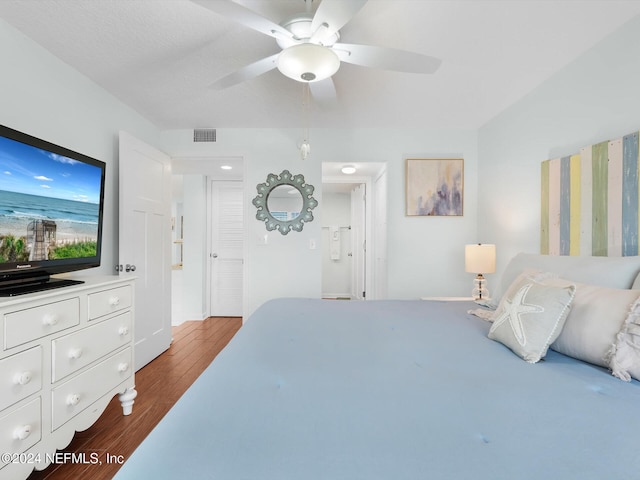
127	268
214	255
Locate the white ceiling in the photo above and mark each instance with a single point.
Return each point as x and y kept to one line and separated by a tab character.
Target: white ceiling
160	56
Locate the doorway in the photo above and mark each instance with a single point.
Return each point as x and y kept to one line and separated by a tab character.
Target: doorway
343	241
195	287
353	232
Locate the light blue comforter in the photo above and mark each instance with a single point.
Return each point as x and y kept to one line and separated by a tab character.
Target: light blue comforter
316	389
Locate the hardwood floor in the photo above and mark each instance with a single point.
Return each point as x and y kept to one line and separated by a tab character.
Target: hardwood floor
159	385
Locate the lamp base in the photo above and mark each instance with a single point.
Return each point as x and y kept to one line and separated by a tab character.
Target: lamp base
480	291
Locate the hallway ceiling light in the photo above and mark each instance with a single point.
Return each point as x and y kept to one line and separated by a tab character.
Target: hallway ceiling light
348	169
226	167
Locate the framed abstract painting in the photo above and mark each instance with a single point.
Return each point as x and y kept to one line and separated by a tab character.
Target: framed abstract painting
434	187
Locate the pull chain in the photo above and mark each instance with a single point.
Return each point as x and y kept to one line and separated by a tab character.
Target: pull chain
305	148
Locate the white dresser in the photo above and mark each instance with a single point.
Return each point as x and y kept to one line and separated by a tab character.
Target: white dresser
64	354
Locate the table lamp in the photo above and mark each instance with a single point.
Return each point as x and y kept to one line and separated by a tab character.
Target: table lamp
479	259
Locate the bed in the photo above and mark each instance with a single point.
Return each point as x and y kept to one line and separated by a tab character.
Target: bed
401	389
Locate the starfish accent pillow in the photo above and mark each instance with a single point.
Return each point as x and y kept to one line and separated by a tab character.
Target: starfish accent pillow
531	316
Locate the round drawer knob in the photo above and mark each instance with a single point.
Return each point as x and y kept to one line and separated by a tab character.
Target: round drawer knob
22	378
114	301
73	399
123	330
49	320
22	432
75	353
123	367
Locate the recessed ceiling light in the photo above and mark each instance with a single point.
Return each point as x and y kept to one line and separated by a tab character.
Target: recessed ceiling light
348	169
226	167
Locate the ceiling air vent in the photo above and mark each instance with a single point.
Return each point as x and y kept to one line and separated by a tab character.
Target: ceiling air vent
204	135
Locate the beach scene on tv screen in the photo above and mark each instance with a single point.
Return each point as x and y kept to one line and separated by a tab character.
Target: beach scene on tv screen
49	205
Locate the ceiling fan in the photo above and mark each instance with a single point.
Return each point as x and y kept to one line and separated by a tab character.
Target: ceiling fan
311	50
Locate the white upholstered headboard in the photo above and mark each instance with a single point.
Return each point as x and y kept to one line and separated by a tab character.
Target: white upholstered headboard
612	272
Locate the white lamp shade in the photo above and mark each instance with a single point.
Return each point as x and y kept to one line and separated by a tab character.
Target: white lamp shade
480	258
308	62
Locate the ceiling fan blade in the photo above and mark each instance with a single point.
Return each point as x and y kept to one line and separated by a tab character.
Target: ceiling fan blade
386	58
244	16
248	72
324	90
334	14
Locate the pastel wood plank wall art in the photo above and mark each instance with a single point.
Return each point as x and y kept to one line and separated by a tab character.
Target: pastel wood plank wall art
589	201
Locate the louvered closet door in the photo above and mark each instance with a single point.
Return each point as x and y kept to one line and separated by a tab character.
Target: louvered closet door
227	248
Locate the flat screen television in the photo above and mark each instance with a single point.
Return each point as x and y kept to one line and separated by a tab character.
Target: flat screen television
51	207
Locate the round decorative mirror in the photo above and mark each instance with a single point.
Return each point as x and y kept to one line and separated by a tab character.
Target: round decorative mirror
285	199
284	202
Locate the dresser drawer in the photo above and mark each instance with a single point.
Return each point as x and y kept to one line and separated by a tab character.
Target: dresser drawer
109	301
20	430
20	376
78	349
81	391
33	323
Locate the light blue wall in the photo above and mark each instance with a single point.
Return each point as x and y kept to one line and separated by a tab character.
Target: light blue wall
595	98
425	255
285	266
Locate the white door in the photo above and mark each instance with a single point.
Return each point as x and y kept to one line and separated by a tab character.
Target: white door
227	248
145	242
358	238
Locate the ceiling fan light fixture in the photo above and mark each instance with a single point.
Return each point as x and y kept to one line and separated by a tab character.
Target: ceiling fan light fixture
308	62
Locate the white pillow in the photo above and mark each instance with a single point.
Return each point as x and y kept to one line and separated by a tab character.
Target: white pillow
530	317
596	317
625	354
